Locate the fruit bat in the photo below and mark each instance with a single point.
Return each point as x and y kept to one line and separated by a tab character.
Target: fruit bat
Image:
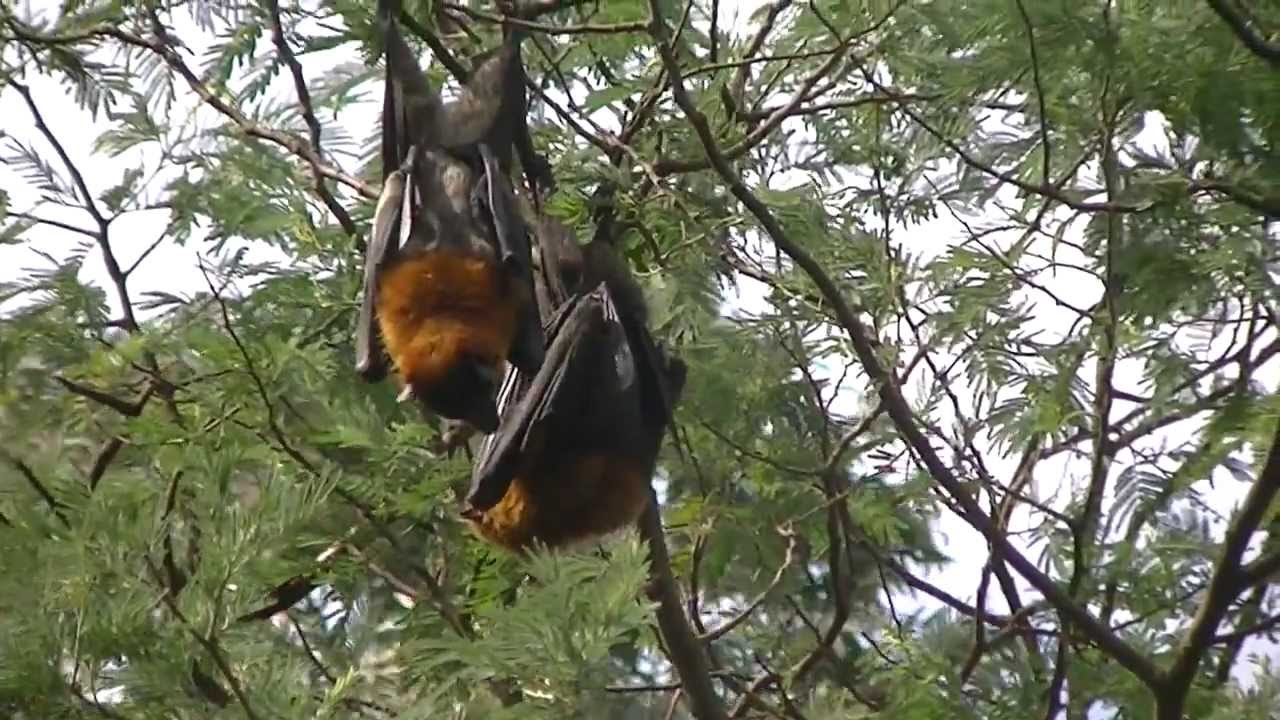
578	440
447	289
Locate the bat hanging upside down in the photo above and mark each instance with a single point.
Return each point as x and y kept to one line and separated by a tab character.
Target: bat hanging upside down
577	444
448	290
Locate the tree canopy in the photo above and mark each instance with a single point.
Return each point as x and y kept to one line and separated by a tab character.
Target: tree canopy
978	299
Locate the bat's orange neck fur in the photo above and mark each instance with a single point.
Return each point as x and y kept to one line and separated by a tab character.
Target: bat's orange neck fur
586	496
434	307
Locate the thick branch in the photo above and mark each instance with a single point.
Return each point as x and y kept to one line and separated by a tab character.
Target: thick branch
1228	581
1243	28
683	648
128	408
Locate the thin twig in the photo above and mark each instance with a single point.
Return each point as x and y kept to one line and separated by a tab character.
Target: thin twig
169	55
210	646
728	625
309	116
1046	171
29	475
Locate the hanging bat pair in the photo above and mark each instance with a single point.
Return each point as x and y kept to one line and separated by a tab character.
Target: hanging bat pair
451	293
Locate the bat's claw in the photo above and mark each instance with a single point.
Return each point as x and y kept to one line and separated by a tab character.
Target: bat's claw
454	436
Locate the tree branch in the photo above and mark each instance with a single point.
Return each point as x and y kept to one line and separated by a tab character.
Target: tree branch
899	410
169	55
128	408
728	625
1242	26
683	648
313	123
30	476
210	646
1228	581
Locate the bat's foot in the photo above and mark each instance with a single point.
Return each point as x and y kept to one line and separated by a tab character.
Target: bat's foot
455	435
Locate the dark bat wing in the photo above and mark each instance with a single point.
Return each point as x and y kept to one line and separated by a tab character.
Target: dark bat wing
513	244
407	100
371	363
579	375
560	268
397	181
661	375
516	257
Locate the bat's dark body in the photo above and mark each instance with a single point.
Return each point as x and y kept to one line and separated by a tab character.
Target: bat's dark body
448	290
578	441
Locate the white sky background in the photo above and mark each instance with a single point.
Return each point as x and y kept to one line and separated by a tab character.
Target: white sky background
172	268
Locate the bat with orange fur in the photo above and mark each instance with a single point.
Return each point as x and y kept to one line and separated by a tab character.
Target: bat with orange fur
578	441
448	290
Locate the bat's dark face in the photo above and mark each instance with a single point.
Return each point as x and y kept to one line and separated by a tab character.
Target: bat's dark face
466	392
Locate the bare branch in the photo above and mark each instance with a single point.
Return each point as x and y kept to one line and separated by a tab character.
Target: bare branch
53	223
90	205
86	197
128	408
309	116
1046	170
103	460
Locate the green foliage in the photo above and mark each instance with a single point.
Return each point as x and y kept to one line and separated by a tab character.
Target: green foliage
1048	219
